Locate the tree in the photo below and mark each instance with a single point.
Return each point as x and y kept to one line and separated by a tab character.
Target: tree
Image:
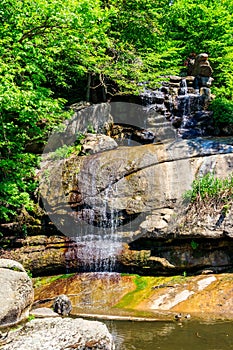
45	45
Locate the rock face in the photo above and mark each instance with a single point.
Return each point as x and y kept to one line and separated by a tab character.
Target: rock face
94	143
205	295
16	292
202	66
120	204
95	117
58	333
119	184
135	193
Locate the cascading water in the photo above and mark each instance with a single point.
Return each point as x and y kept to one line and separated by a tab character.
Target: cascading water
97	247
94	222
156	113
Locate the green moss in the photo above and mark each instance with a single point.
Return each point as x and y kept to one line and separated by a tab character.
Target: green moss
42	281
144	288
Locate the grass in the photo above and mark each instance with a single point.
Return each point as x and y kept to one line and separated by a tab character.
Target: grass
209	188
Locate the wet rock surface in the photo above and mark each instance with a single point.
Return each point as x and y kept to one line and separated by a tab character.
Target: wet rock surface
133	195
206	295
130	180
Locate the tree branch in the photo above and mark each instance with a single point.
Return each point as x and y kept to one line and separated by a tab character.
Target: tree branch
37	30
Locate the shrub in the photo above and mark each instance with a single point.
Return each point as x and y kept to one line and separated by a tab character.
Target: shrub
209	187
222	111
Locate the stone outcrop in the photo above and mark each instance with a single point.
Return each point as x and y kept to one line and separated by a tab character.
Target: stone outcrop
94	143
60	333
62	305
181	103
95	117
127	188
202	66
16	293
40	254
43	312
128	181
137	194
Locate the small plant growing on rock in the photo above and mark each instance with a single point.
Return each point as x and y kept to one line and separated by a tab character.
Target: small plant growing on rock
194	245
210	187
210	196
29	273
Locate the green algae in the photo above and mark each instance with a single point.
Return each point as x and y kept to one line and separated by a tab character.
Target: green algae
43	281
144	287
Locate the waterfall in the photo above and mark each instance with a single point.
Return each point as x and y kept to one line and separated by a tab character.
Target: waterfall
98	246
96	223
157	114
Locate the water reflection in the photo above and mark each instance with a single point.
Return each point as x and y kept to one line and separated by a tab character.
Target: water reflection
171	335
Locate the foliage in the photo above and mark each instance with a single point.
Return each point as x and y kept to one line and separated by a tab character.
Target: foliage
222	111
36	51
16	184
209	187
30	318
194	244
63	152
29	273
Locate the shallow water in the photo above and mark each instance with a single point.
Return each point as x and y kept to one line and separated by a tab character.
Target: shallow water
189	335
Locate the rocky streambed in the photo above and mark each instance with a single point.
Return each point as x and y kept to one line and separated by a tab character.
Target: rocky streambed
133	297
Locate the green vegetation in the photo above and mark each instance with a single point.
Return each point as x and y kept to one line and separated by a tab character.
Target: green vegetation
65	151
222	112
209	187
56	52
30	318
42	281
194	245
144	288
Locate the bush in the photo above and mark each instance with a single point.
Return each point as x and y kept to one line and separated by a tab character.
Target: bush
222	111
210	187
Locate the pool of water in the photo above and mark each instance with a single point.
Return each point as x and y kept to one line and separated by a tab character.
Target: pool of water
189	335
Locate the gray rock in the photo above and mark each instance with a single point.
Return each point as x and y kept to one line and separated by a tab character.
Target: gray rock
97	117
16	292
62	305
43	312
59	334
11	265
94	143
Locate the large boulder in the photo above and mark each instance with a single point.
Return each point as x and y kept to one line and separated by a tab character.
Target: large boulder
16	292
57	333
